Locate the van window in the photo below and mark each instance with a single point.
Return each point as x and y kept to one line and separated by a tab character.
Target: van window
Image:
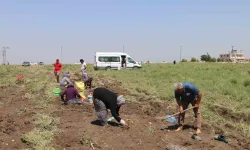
103	59
115	59
109	59
130	60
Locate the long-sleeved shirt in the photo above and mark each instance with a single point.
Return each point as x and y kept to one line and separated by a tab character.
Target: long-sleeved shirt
71	93
189	88
109	99
65	79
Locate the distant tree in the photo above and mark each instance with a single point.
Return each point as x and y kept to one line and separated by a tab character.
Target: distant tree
184	60
194	59
207	58
219	60
213	59
204	58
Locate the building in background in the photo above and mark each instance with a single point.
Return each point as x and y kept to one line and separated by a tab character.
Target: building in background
234	56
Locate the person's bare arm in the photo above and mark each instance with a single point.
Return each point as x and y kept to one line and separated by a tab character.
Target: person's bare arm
178	100
198	101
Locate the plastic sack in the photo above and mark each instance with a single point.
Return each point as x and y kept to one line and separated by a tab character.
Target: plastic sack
80	87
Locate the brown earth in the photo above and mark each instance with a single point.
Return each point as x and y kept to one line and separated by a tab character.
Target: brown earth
16	114
79	127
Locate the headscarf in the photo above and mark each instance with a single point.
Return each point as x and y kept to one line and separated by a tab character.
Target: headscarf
120	100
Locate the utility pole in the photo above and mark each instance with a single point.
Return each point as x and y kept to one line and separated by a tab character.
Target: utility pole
4	54
180	52
232	47
61	55
123	49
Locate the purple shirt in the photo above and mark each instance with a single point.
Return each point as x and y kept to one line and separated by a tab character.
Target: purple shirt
71	93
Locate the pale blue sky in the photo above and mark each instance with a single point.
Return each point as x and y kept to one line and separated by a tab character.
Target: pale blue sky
149	29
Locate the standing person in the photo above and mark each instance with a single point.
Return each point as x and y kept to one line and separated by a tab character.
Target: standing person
84	66
72	95
105	99
57	69
187	93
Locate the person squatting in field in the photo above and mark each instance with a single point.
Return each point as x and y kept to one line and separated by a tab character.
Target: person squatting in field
65	80
57	69
87	80
72	95
105	99
187	93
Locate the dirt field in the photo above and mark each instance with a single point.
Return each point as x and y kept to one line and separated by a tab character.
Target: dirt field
79	128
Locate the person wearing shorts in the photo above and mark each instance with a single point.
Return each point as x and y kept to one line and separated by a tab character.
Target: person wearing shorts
57	69
187	93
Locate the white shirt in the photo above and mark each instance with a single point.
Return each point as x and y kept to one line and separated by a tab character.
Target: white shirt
84	66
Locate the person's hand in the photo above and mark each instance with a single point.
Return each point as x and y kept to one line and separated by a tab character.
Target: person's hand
179	129
181	109
123	122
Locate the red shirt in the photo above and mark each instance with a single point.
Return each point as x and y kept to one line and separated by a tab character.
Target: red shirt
58	67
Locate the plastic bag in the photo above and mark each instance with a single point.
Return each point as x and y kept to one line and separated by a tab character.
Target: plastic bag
80	87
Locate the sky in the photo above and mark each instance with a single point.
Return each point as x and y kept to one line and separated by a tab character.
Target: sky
153	30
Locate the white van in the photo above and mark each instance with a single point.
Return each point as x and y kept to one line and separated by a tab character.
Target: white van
114	60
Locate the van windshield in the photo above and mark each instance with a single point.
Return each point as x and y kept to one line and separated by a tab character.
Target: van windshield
130	60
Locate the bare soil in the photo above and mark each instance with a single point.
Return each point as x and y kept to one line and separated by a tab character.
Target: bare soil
80	129
15	117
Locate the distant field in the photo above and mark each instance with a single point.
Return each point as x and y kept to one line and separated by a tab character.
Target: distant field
34	118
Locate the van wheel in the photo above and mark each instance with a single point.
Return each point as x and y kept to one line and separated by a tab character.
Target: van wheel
135	67
108	68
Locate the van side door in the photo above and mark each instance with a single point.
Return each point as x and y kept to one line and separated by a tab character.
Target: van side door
115	62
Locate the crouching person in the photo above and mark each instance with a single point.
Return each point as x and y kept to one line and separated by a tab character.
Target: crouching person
72	95
105	99
87	80
66	80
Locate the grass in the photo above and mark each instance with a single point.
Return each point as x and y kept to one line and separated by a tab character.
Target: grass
225	88
40	138
226	85
39	89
